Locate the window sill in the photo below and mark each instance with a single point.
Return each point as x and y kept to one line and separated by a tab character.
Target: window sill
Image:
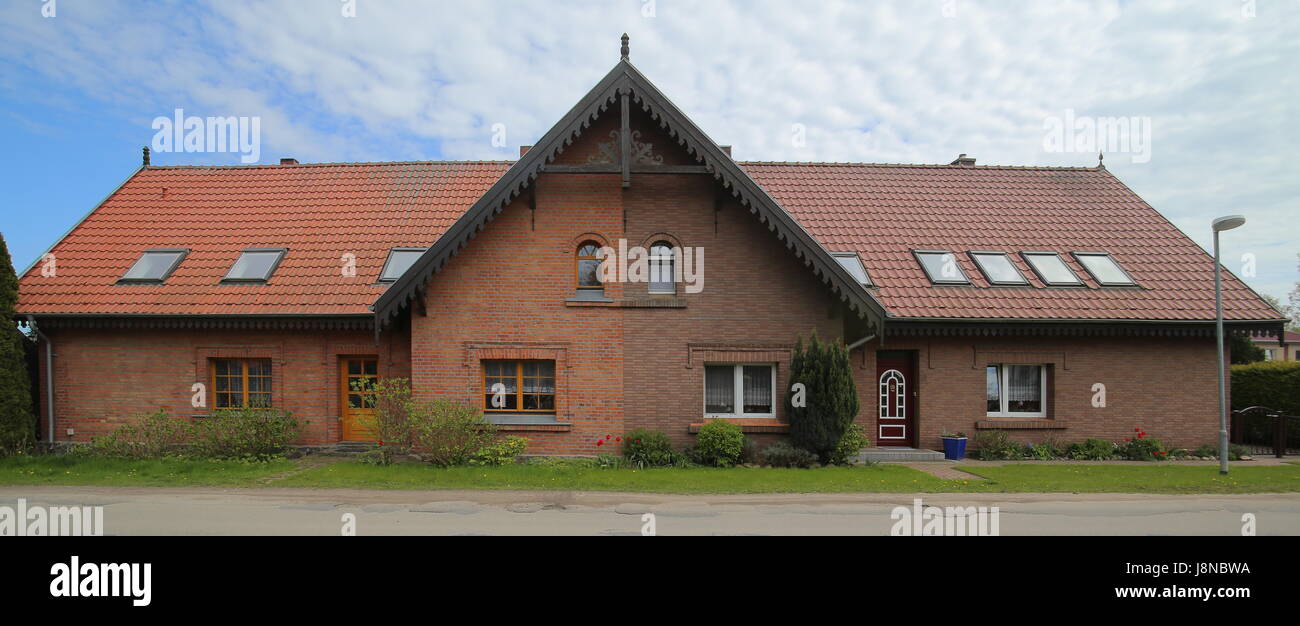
1020	423
556	427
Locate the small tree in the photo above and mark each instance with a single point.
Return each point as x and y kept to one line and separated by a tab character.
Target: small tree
824	408
1242	350
17	419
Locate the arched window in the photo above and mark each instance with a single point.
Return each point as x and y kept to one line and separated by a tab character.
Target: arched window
661	268
589	266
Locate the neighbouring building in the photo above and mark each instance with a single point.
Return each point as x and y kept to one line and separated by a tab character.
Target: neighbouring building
1284	348
1047	301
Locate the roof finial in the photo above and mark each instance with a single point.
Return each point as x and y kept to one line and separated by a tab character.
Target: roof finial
625	51
1101	158
146	156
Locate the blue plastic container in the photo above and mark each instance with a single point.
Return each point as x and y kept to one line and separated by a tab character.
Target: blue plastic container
954	449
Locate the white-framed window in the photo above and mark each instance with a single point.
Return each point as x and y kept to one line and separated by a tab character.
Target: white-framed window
941	267
740	390
1104	269
399	260
1016	390
662	260
1268	354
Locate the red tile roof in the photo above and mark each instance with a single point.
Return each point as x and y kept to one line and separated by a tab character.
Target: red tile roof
318	212
321	212
882	212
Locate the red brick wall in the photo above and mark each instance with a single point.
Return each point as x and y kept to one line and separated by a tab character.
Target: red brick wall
1165	386
104	378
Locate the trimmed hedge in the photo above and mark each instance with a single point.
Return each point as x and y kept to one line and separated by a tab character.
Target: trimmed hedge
1273	384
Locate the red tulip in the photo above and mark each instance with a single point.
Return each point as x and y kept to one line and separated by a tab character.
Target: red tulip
600	442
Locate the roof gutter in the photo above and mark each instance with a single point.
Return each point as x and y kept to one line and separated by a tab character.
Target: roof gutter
49	373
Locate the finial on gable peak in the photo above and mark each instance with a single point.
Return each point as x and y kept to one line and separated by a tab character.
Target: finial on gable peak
1101	160
625	51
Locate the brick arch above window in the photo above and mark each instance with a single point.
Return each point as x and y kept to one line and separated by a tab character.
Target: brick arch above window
658	237
578	240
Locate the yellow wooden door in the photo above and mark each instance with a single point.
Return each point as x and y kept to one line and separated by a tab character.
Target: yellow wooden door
357	377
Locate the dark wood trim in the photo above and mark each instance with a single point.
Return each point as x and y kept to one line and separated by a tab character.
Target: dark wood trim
230	322
1072	328
614	169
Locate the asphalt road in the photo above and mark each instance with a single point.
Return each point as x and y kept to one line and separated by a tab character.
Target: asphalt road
144	511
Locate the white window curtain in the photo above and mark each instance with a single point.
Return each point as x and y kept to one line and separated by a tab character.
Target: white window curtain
758	389
719	389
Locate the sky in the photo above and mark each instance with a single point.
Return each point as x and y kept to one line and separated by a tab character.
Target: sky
1207	91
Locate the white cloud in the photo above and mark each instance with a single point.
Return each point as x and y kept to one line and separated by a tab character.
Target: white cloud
879	82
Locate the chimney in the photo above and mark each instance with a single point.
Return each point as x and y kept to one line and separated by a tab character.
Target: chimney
962	159
726	149
524	150
288	161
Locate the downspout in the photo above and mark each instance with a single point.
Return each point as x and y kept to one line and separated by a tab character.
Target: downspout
49	374
861	342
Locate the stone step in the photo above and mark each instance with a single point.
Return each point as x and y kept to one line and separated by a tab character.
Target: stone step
897	455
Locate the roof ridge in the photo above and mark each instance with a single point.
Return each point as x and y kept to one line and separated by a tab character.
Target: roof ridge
1071	168
327	164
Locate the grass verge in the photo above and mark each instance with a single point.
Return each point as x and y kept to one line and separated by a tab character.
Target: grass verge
71	470
1152	478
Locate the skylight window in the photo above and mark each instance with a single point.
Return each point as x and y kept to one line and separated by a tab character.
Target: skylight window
255	265
999	269
154	266
1103	268
1051	269
851	262
399	260
941	266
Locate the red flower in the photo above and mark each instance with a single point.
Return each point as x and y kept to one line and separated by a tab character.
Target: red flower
607	437
600	442
1127	440
1137	430
618	439
1142	435
381	442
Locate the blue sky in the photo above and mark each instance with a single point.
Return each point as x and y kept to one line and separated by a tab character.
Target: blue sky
919	81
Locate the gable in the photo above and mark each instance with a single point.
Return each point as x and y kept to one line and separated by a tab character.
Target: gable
617	94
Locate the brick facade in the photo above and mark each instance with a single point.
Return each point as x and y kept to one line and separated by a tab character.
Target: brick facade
636	360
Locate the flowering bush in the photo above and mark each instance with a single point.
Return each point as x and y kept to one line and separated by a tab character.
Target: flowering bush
649	448
1139	447
500	452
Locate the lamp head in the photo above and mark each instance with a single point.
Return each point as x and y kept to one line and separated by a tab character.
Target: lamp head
1228	222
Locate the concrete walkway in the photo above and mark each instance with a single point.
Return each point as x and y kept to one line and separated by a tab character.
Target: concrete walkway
279	511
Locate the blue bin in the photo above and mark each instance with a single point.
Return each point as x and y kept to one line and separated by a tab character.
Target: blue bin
954	449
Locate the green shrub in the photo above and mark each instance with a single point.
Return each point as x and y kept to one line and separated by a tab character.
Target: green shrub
1235	451
392	424
1091	449
249	434
1041	451
1272	384
830	399
851	444
605	460
719	443
152	436
500	452
246	434
448	433
1142	448
996	445
783	454
649	448
17	413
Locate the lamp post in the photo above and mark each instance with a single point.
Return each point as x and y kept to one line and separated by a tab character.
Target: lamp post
1223	223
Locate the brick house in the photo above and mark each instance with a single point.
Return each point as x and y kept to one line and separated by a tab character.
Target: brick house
972	297
1285	348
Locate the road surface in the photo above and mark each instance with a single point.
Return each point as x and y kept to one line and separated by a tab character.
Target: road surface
166	511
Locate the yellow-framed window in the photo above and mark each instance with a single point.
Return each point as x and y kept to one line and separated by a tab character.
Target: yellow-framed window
519	386
241	383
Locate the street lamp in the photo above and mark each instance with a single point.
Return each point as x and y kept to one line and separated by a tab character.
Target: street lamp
1223	223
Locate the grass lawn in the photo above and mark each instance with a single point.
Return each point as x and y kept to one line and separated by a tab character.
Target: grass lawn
1151	478
880	478
67	470
310	473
